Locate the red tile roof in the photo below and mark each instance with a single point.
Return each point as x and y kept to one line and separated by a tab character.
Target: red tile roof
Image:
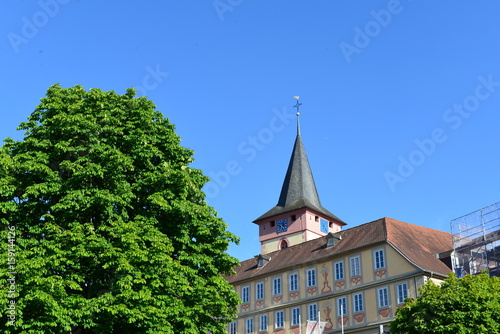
419	244
416	243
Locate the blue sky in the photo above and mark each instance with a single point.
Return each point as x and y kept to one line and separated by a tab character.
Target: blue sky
401	99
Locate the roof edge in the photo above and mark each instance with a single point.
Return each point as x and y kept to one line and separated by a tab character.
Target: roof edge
279	210
410	261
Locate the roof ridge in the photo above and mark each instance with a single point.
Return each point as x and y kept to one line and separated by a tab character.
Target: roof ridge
370	222
392	220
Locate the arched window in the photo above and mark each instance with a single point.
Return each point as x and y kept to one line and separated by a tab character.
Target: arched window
284	244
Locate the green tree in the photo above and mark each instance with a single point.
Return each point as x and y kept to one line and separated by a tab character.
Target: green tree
110	226
468	305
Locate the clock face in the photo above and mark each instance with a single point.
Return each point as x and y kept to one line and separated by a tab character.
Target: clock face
324	226
282	225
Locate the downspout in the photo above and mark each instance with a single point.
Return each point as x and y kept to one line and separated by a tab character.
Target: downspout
415	285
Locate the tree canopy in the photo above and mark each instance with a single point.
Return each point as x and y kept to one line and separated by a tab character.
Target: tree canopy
106	225
468	305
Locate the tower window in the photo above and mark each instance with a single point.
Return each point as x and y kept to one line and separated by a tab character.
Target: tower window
330	224
316	218
272	223
284	244
294	218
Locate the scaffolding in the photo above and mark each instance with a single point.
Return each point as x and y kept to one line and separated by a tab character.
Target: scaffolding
476	242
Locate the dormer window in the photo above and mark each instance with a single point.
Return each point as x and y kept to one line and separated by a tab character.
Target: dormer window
262	260
332	238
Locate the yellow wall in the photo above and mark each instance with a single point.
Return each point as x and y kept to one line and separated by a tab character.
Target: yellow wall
273	245
397	270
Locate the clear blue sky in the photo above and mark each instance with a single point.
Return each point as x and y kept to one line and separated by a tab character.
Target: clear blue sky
401	99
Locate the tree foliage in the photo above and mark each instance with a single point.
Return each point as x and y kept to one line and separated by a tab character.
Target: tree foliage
111	229
468	305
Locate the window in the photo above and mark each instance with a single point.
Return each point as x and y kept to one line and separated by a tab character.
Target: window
355	267
277	286
312	312
402	292
295	316
232	328
341	306
249	326
339	270
283	244
279	319
383	297
263	322
379	259
357	302
245	294
259	291
294	282
311	277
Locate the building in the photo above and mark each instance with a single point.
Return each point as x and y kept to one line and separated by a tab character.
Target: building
476	242
355	278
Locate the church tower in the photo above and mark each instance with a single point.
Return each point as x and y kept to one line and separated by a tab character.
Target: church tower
299	215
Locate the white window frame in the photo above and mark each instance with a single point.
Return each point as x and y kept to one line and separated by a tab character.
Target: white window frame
279	319
277	286
341	301
263	322
355	263
259	291
339	270
249	326
245	294
232	328
357	303
383	297
402	290
295	316
311	277
379	259
312	312
293	282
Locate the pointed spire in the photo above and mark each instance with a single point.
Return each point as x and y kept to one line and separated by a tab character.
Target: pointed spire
299	189
299	181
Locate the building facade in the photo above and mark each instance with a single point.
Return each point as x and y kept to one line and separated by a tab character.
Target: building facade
310	268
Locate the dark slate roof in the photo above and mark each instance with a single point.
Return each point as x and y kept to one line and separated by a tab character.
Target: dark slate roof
298	190
418	244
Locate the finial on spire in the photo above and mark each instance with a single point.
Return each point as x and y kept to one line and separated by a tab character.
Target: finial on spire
297	105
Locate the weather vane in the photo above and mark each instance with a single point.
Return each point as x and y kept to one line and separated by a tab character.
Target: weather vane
297	105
